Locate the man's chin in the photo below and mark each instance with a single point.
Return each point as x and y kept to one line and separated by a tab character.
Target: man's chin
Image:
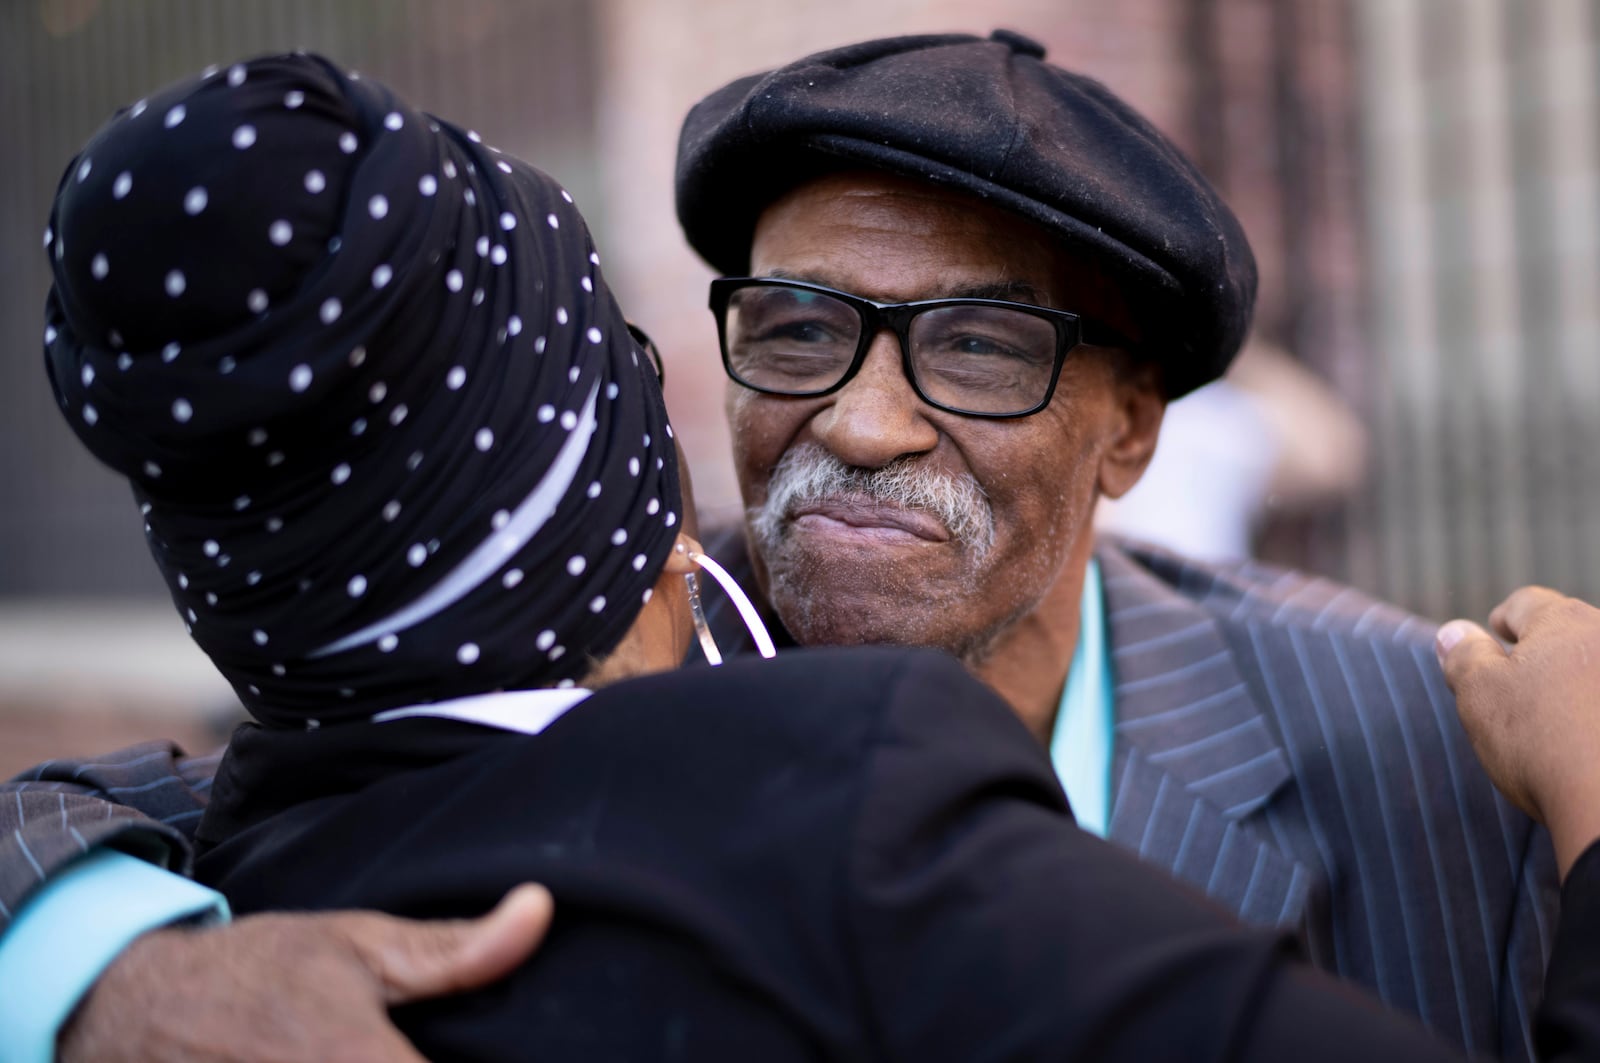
856	593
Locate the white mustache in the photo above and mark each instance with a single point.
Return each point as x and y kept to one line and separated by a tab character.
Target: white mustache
809	473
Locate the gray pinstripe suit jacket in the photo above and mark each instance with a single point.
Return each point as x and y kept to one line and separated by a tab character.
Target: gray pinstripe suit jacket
1290	747
1283	743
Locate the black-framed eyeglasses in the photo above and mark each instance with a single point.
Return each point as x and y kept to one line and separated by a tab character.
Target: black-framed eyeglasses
642	338
979	357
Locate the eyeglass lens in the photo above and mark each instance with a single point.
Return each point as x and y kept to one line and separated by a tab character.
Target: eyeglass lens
983	359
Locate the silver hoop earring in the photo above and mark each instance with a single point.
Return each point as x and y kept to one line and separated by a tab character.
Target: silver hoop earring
741	602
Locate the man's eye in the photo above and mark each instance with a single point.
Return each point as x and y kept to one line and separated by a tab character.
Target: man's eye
976	345
807	332
982	345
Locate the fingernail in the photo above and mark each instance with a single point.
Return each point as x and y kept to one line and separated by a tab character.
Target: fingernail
1449	637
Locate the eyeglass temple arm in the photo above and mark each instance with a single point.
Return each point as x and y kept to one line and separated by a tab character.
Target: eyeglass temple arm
741	601
1096	334
702	630
642	338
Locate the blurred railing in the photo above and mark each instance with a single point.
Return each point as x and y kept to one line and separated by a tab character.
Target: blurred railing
1481	146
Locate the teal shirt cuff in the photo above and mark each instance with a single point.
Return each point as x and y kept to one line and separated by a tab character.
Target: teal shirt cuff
71	929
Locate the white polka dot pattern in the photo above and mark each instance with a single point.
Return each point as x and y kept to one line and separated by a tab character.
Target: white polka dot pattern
279	399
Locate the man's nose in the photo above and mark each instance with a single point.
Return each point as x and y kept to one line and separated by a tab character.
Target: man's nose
876	417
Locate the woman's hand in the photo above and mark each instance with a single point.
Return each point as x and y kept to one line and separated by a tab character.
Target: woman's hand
1532	708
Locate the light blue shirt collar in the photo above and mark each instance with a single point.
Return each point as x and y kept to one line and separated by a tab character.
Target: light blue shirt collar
1081	743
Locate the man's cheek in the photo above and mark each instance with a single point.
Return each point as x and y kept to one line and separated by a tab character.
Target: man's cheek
747	441
762	433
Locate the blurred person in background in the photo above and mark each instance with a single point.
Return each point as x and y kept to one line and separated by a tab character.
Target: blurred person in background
1273	740
1268	438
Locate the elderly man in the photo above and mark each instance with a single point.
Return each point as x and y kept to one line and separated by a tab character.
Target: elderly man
920	463
963	283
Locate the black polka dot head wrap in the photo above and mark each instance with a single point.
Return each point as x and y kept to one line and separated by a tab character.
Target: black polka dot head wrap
391	436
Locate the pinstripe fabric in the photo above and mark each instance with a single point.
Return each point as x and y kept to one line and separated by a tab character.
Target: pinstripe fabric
1289	747
1284	744
145	800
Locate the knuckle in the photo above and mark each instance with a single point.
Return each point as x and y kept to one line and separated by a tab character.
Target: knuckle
1572	611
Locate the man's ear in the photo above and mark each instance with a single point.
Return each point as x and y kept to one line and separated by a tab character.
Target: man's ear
1139	404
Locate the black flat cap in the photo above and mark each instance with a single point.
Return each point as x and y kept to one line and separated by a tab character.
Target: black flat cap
991	117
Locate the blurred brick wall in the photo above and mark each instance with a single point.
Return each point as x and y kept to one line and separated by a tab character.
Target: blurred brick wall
519	71
85	725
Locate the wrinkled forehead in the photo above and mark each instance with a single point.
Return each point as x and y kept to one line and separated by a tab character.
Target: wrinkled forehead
895	238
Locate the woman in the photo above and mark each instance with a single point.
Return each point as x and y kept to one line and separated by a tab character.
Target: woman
411	483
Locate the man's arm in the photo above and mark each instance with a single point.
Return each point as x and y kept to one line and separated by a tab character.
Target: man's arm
145	800
271	987
83	848
268	987
71	927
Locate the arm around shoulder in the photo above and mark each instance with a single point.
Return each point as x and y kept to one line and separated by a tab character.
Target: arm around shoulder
145	800
74	926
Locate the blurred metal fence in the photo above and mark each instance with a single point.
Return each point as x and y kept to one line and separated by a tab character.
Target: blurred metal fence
520	71
1481	123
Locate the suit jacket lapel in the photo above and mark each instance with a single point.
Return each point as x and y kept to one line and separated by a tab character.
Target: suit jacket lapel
1194	758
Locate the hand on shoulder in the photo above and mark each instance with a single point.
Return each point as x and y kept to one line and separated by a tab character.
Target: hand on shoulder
1532	708
272	987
